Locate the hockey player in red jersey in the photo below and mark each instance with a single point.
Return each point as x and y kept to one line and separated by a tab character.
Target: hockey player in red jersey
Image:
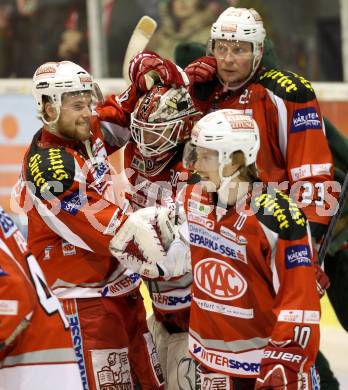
283	104
35	343
160	124
255	310
67	192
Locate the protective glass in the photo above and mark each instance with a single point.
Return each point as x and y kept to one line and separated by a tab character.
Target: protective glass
195	157
77	101
239	49
84	99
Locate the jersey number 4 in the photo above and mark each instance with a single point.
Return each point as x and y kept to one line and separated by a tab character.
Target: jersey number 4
48	300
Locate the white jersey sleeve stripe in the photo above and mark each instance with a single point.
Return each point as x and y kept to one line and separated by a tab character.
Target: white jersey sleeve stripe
282	122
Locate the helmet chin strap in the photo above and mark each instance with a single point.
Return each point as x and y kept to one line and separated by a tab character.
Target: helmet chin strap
224	189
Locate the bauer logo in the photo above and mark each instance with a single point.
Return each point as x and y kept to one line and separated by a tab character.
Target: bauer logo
305	119
297	255
219	280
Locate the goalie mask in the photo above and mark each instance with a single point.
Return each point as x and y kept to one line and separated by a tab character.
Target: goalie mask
162	119
54	79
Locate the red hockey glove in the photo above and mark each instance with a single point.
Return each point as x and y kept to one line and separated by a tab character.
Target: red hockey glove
282	368
323	281
201	70
146	66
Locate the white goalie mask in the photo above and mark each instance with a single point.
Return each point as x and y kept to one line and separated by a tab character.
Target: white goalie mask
162	119
54	79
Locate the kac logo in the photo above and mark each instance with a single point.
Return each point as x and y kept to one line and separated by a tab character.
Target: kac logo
219	280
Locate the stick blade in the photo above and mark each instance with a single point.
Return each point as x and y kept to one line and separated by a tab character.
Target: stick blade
141	36
147	26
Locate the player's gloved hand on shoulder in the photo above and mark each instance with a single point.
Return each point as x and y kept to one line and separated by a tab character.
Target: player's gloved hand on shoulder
282	368
147	68
202	70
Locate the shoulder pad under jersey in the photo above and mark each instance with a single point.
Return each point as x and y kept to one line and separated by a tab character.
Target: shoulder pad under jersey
287	85
279	213
50	171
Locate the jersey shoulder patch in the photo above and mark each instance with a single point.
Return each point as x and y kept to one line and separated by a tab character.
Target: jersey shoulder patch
279	213
50	171
287	85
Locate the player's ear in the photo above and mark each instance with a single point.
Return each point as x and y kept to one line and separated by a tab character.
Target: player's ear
50	110
237	162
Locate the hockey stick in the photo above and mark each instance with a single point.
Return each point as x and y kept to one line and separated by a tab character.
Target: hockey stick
138	41
330	230
140	37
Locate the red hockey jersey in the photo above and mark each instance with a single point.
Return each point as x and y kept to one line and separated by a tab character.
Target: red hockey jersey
153	181
157	181
69	199
293	143
35	342
253	281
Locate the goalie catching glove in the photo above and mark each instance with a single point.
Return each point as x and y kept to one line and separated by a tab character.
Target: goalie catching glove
141	242
282	368
148	67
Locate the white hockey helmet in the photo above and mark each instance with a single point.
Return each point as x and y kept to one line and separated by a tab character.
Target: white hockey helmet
162	119
224	131
53	79
240	24
228	131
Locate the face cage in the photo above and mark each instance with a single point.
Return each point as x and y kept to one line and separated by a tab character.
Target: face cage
140	129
